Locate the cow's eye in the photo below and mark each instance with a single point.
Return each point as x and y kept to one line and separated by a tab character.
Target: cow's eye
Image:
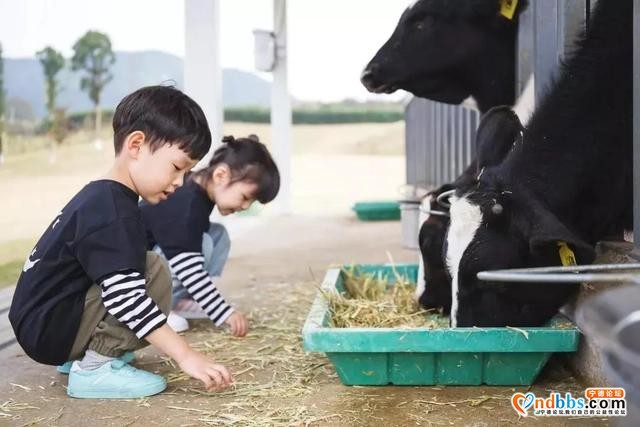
417	17
422	22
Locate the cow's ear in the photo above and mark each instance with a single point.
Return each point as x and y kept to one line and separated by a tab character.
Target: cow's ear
498	130
550	238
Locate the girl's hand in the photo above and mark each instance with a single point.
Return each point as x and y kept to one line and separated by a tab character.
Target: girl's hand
238	324
213	375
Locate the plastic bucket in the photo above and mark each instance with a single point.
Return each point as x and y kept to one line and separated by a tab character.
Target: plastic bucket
409	218
425	205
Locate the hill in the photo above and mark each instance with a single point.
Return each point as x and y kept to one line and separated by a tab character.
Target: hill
24	82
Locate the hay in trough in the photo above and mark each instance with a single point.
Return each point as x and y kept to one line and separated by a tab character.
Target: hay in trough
370	301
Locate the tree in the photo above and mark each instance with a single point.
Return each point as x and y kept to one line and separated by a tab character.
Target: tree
2	103
59	125
52	62
93	54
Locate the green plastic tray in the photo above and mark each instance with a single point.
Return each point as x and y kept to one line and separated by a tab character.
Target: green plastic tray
377	211
419	356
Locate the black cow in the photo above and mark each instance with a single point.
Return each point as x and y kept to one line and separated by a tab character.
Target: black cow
569	180
499	129
448	50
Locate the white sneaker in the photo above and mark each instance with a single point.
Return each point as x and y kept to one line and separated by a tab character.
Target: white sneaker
177	323
189	309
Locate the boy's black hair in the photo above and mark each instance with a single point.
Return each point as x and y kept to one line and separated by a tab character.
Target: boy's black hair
249	160
165	115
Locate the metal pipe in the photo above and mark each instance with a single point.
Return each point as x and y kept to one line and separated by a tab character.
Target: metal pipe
571	274
435	212
442	196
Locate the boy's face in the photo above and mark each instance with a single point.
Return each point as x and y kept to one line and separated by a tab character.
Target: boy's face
156	175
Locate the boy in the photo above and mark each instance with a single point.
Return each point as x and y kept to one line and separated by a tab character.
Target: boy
89	289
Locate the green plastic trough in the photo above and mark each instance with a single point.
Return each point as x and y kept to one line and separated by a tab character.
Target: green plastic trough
420	356
377	211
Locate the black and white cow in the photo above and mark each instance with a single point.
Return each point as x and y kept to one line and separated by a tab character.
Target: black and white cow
448	50
498	130
569	180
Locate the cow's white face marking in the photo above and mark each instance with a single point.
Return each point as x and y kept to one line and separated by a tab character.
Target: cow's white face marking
425	205
466	218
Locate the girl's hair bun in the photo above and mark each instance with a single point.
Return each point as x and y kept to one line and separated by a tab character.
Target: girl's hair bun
228	138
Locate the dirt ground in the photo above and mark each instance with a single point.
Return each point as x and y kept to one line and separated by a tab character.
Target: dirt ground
275	265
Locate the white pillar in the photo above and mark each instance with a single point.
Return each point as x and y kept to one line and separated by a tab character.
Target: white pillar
281	108
202	69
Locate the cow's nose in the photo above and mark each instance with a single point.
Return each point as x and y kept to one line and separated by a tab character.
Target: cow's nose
369	76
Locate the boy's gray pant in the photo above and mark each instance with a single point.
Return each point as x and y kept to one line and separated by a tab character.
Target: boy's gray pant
101	332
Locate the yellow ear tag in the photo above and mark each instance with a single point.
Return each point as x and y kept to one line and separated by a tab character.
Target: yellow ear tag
566	254
508	8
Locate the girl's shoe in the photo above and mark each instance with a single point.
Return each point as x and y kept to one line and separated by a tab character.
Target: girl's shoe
177	322
189	309
113	380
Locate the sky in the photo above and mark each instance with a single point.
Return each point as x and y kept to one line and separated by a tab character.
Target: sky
330	41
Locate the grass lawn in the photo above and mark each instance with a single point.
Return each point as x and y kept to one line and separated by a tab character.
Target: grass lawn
12	256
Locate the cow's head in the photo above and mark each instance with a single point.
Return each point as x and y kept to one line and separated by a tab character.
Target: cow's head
498	130
448	50
498	223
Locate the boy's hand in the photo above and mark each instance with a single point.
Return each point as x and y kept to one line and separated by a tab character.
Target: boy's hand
213	375
238	324
197	365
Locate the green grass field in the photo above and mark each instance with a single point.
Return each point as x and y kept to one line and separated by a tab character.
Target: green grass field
12	256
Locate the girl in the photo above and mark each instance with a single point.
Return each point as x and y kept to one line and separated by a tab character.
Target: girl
240	172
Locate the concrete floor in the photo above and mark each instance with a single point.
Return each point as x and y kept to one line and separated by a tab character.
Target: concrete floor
272	274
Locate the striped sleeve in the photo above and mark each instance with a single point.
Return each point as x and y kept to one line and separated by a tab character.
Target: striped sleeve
189	268
125	296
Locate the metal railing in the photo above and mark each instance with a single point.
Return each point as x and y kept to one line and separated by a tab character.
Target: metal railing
439	141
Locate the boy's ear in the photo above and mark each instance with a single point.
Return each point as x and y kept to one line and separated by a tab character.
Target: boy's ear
133	143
